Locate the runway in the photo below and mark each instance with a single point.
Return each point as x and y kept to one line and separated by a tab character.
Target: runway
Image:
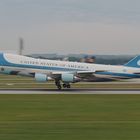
70	91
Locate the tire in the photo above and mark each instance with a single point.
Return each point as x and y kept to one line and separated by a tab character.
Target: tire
59	87
68	86
64	85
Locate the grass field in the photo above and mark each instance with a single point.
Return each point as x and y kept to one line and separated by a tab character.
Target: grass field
69	117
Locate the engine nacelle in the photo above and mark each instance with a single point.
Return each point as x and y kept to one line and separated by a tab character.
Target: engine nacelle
39	77
70	78
66	77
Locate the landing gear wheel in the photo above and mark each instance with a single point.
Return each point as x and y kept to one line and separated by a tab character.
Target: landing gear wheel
68	86
64	85
59	87
57	83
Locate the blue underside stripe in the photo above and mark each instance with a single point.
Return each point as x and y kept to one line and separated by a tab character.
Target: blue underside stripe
127	75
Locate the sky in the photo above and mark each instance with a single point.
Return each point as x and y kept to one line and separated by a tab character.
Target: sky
70	26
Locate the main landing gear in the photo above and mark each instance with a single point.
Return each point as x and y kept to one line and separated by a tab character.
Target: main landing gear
66	85
59	86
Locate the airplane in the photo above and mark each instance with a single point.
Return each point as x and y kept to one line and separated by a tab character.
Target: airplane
63	72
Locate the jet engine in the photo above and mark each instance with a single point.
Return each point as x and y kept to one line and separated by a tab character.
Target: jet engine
39	77
69	78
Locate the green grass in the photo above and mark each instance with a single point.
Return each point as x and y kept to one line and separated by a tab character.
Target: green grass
69	117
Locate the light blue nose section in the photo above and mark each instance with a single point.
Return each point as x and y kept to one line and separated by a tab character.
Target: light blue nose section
135	62
1	59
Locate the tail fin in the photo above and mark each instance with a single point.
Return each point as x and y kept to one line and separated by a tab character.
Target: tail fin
135	62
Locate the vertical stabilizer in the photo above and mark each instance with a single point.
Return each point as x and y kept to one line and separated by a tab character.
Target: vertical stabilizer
135	62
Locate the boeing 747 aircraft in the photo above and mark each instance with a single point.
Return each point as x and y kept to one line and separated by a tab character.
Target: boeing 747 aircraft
63	72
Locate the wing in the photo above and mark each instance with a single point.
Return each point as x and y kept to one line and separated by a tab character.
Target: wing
79	74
